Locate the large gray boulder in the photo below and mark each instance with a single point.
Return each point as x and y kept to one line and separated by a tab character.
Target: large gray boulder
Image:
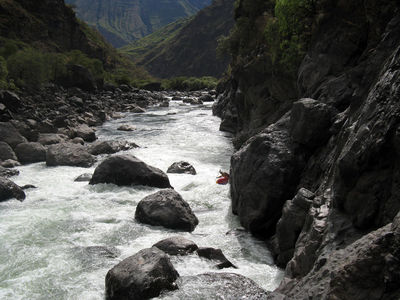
51	138
30	153
6	152
166	208
10	135
141	276
127	170
9	190
85	132
68	154
176	245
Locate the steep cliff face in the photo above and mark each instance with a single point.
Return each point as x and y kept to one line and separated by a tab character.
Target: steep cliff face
320	170
124	21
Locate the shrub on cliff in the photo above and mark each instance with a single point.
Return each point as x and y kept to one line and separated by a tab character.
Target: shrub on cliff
278	28
27	68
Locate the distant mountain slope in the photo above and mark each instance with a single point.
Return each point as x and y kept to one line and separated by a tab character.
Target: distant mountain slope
138	49
187	49
123	21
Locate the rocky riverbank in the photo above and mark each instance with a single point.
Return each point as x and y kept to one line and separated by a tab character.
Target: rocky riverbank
58	125
317	167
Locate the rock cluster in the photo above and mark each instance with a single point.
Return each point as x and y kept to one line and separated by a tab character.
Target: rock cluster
150	272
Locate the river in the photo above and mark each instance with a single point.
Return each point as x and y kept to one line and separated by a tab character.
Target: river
44	240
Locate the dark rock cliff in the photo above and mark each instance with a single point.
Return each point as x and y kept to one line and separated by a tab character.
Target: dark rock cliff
317	170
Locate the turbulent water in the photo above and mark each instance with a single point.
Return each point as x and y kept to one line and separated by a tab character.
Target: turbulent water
46	241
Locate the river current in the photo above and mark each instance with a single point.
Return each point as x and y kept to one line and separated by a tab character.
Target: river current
46	242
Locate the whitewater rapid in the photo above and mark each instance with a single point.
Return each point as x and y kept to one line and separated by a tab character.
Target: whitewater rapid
44	240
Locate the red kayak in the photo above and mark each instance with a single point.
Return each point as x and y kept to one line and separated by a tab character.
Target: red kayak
223	180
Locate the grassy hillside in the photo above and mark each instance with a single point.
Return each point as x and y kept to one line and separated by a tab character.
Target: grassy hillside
188	47
124	21
162	36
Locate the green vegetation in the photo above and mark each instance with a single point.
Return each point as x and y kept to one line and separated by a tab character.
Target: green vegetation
281	27
139	48
31	68
190	83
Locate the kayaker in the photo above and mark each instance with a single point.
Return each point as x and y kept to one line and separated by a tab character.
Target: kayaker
223	178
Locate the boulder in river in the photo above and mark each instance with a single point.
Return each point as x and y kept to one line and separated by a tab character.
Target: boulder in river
181	167
9	190
110	147
68	154
127	170
176	245
215	254
30	153
206	98
6	152
85	132
126	127
84	177
141	276
166	208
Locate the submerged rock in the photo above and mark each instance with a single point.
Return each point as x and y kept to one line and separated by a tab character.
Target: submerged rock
110	147
83	177
176	245
9	190
126	127
181	167
128	170
141	276
217	286
215	254
166	208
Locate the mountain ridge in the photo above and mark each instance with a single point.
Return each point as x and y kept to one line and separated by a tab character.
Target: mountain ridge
124	21
190	50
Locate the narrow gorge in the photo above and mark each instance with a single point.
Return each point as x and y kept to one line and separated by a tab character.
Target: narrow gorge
110	158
